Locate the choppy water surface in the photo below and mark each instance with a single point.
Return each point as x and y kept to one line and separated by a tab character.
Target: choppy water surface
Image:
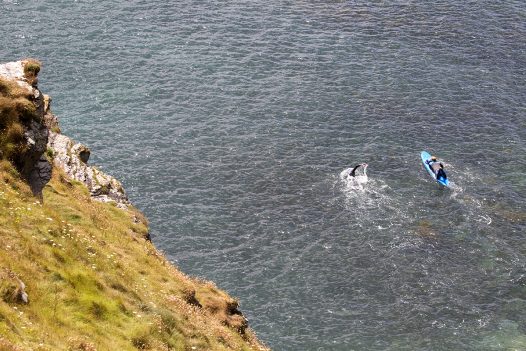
229	124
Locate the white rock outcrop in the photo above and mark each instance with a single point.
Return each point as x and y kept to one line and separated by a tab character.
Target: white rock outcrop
72	157
15	71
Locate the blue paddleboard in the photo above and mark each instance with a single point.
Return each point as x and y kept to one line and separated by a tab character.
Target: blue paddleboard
426	157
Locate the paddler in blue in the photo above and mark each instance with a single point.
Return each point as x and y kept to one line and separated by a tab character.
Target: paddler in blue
437	168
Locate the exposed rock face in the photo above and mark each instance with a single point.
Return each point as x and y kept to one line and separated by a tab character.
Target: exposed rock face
35	168
40	175
50	120
73	157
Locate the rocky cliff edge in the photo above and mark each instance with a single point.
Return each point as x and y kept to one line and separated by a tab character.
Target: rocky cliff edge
46	143
77	271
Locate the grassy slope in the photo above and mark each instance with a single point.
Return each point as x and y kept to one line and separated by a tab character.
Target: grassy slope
95	283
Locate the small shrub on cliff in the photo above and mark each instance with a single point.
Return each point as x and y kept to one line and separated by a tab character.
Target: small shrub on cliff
11	293
50	154
32	66
31	69
141	341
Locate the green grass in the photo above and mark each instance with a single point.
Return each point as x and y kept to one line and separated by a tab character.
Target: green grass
95	283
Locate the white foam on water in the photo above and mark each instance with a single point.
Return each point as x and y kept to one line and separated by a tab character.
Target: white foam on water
374	202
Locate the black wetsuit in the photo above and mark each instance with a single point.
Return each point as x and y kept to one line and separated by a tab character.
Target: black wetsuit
353	172
437	168
441	174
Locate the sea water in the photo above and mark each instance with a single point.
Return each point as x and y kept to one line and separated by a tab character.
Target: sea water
229	124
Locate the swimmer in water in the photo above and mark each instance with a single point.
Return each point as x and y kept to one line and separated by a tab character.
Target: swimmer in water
352	173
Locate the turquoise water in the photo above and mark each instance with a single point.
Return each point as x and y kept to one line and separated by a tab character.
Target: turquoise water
229	124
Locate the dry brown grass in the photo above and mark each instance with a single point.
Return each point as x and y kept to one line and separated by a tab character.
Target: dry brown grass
15	112
11	89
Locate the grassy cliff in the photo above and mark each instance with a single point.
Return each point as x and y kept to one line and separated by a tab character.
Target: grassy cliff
78	274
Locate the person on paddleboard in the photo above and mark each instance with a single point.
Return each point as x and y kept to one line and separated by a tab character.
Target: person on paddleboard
437	168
